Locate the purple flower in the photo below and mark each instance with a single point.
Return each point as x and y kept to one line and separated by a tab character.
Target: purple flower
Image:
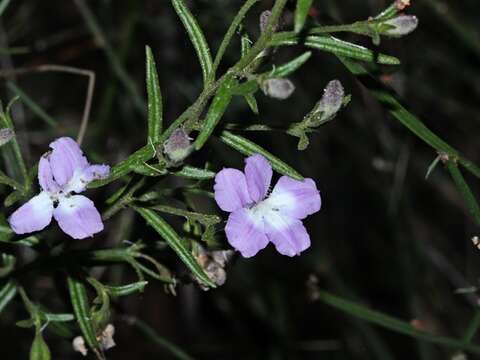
61	173
256	219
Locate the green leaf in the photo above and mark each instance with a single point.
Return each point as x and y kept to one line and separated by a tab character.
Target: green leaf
231	31
392	323
405	117
464	190
128	289
336	46
39	349
344	48
289	67
126	166
248	148
150	169
4	179
252	103
301	13
196	37
7	293
215	112
248	87
79	300
191	172
3	6
175	242
16	168
58	317
155	115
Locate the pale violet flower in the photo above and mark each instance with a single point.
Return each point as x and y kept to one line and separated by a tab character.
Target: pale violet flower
258	218
62	172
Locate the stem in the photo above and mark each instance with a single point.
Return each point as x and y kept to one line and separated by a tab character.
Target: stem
230	32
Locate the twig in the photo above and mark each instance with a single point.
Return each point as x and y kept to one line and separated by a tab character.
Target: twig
64	69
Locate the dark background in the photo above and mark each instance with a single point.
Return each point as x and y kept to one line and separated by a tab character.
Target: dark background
385	236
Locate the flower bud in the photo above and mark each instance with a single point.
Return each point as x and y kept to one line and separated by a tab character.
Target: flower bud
177	147
264	16
278	88
402	25
6	134
331	100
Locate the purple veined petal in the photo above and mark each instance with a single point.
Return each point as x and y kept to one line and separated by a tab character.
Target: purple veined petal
231	191
77	216
81	178
294	198
287	234
258	173
65	159
45	176
32	216
245	232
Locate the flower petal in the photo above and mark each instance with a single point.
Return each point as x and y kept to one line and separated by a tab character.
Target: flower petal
258	173
65	158
81	178
231	190
45	176
287	234
78	217
294	198
32	216
245	232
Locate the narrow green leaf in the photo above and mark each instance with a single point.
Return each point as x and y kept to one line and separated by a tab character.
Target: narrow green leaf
389	12
155	112
150	170
215	112
3	6
79	300
11	151
39	349
290	67
248	87
248	148
175	351
344	48
191	172
336	46
32	105
464	190
392	323
252	103
231	31
175	242
196	37
406	118
58	317
301	13
125	290
4	179
7	293
126	166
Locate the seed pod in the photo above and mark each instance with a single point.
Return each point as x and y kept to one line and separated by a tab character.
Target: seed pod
278	88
